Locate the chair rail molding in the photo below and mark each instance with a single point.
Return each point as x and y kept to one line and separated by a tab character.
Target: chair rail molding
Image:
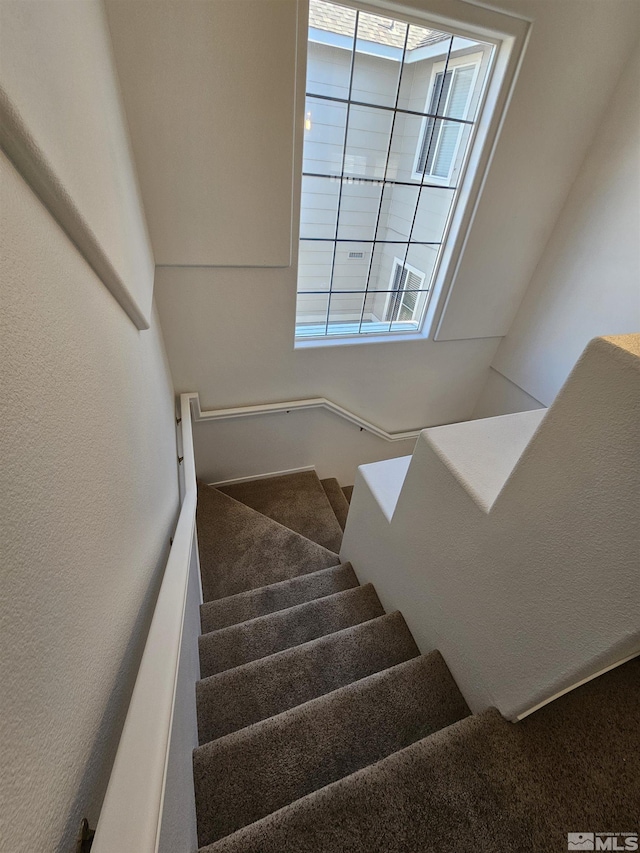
296	405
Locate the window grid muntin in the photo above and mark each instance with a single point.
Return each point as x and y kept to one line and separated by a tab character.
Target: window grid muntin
439	118
344	156
386	169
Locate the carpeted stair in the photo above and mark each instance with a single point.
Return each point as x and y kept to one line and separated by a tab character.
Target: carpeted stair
297	501
265	687
337	499
266	635
323	728
276	596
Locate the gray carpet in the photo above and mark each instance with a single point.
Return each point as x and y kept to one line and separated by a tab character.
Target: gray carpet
257	690
276	596
297	501
347	491
323	730
482	784
251	773
241	549
266	635
337	499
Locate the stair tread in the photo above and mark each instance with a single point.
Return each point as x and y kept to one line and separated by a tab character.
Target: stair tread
255	691
265	635
284	758
241	549
348	492
337	499
296	501
482	782
277	596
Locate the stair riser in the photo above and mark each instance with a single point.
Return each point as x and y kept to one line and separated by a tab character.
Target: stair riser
237	698
286	757
258	638
270	599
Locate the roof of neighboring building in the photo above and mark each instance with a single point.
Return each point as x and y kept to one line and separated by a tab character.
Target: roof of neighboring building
374	28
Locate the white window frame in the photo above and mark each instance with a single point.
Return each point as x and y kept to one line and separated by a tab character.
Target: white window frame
399	262
509	34
439	68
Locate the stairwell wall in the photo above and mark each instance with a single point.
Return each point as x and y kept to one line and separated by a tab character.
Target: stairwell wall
229	330
587	282
89	479
527	582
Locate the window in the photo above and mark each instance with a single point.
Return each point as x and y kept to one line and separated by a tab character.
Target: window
405	290
390	112
439	145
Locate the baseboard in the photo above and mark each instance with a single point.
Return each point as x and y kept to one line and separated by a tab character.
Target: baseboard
263	476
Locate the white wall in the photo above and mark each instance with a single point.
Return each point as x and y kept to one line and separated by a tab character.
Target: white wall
229	332
89	486
89	498
229	335
57	76
299	439
178	829
588	280
514	543
500	396
576	52
209	90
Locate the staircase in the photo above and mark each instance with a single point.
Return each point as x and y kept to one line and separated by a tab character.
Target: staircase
323	728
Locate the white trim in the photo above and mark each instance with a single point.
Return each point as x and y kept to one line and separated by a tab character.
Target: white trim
131	815
468	19
29	160
253	477
507	68
574	686
297	405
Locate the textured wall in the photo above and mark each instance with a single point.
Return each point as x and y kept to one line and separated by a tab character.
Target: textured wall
557	107
88	501
526	582
588	280
279	442
57	73
500	396
209	90
229	335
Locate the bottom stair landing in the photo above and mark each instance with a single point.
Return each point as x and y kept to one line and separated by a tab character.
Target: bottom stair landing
323	728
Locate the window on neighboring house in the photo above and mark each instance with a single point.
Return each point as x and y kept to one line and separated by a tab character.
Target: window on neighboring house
406	287
390	111
438	149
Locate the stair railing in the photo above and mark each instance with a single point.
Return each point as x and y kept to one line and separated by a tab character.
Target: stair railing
131	815
298	405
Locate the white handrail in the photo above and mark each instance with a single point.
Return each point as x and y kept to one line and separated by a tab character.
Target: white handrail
131	815
298	405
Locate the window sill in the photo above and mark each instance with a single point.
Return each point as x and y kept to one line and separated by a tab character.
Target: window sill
354	340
